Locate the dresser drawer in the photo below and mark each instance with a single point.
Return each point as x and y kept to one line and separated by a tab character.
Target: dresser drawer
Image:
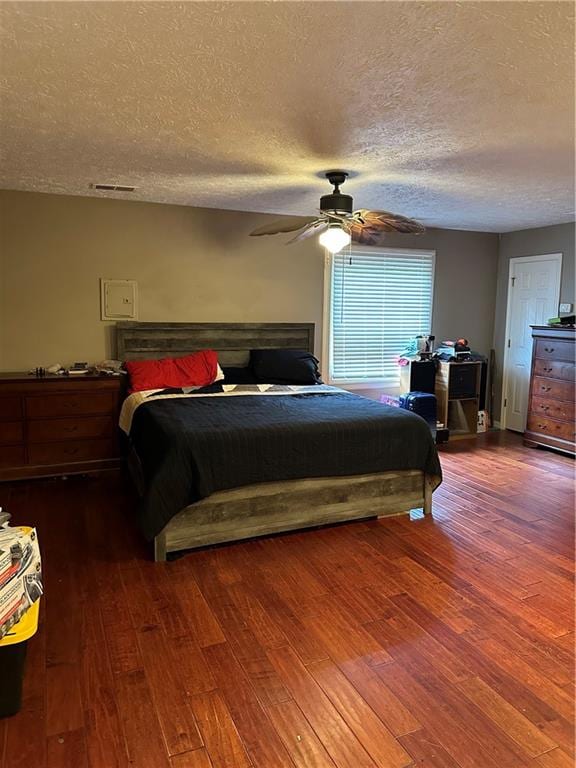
550	349
47	430
11	432
557	390
70	404
554	409
10	408
71	451
12	456
555	369
542	425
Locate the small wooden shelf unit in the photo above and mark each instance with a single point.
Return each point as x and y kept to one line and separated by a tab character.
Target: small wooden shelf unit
458	397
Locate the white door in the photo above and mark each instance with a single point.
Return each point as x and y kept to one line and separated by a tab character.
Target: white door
533	296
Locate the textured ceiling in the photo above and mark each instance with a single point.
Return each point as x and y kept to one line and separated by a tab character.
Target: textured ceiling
460	114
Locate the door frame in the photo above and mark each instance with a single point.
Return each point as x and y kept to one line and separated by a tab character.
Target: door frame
557	257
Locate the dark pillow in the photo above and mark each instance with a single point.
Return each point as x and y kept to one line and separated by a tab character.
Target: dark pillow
285	366
239	376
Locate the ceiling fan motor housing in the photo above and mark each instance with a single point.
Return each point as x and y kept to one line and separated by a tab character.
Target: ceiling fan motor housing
336	202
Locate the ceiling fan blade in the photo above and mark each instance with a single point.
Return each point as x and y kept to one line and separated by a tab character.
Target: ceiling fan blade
288	224
382	221
315	227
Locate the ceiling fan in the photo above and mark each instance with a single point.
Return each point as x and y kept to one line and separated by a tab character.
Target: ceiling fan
338	224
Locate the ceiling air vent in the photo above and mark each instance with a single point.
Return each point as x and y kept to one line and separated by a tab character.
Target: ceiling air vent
112	187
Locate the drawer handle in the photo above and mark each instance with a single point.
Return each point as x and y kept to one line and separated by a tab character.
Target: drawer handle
74	428
71	451
545	389
542	426
545	407
547	370
548	349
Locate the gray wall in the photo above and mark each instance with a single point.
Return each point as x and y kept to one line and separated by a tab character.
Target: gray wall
464	285
191	265
529	242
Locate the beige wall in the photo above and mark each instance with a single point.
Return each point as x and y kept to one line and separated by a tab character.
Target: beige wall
529	242
191	265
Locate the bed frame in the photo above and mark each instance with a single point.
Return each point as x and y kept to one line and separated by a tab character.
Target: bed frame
264	508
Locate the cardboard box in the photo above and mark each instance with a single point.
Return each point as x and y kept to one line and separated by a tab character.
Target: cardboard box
20	574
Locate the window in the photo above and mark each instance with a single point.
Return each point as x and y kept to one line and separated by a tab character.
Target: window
379	301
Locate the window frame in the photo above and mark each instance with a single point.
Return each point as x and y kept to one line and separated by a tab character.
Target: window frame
327	311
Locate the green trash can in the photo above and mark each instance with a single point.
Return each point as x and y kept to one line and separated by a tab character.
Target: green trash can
13	660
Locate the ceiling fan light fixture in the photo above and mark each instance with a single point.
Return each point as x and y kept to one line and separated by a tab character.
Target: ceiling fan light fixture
335	238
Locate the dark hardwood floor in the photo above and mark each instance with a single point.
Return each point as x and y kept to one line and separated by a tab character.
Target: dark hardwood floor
444	642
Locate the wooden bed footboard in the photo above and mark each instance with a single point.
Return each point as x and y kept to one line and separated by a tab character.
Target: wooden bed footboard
265	508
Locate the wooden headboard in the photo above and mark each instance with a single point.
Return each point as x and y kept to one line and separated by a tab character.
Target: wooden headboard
232	341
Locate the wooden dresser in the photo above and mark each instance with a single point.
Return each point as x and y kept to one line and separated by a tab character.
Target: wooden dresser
58	425
551	404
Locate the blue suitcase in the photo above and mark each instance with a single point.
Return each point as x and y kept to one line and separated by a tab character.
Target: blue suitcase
422	403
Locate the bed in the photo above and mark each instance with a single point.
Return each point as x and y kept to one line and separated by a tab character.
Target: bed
220	466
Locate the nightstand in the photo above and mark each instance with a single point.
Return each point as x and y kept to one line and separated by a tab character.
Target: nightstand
58	425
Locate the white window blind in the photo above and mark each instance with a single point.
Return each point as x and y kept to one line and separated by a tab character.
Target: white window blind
379	301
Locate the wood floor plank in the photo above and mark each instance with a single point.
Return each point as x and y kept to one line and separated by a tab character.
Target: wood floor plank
427	750
556	758
67	749
506	717
298	736
534	708
105	741
190	666
199	758
259	737
306	645
204	626
341	639
332	730
385	704
377	740
219	732
63	701
120	634
265	629
242	640
540	684
140	723
460	737
169	694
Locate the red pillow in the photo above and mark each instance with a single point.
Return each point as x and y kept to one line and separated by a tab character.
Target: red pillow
196	370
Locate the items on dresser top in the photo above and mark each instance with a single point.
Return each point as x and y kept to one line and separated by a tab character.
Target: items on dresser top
57	425
550	420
